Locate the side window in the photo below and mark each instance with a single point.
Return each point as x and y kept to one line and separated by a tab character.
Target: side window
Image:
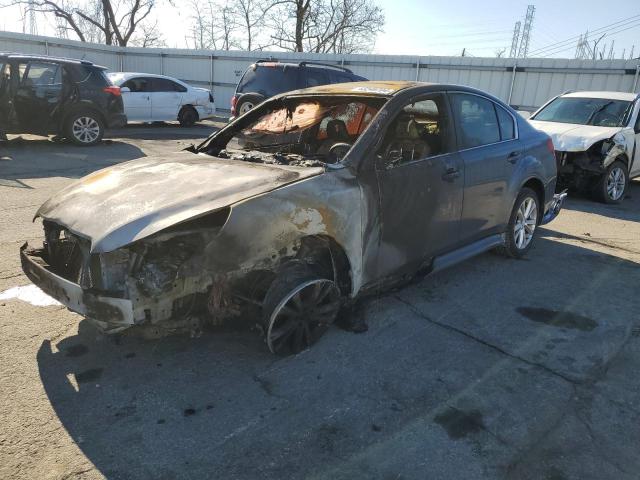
637	126
477	121
42	74
316	76
421	130
507	127
339	77
165	85
178	88
140	84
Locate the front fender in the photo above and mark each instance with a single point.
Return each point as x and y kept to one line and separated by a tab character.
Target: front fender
266	229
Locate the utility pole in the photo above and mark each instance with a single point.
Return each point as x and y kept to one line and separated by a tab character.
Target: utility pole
514	41
526	31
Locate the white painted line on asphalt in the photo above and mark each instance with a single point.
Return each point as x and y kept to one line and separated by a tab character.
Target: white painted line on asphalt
30	294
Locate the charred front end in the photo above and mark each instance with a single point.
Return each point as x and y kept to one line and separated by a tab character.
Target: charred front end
159	279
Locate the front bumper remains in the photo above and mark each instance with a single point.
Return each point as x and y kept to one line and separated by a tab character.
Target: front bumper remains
554	209
110	314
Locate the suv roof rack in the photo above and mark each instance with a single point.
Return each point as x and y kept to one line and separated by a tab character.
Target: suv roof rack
337	67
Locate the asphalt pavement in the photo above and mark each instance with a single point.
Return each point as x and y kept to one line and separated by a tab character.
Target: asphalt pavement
493	369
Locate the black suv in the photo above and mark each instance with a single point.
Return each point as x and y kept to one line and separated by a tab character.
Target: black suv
267	78
47	95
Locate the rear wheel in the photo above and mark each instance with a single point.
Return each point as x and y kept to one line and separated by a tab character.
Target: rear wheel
298	309
84	128
188	117
522	224
247	102
612	185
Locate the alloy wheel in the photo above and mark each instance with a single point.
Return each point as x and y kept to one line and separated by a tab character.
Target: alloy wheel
303	316
245	107
85	129
616	182
525	224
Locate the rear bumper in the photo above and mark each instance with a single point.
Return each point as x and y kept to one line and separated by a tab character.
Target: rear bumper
206	111
116	120
108	313
556	205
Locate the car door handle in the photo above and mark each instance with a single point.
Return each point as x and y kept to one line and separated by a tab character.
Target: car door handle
513	156
451	174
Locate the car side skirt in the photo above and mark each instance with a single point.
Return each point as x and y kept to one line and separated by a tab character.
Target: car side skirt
468	251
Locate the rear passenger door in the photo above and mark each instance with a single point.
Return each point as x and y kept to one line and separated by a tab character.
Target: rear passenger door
488	146
137	101
166	99
37	99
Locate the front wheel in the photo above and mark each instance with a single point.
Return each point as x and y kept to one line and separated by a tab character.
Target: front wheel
84	128
612	185
522	224
298	309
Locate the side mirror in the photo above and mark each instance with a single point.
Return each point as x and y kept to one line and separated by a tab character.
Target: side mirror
125	89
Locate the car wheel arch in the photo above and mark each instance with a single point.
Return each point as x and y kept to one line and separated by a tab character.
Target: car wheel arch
326	253
81	107
535	184
187	106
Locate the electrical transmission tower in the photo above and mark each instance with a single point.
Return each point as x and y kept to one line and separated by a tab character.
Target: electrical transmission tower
33	27
526	31
514	41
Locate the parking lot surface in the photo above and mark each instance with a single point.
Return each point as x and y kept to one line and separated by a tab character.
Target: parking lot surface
495	368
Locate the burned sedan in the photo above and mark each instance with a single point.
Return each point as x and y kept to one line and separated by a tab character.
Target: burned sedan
296	209
597	139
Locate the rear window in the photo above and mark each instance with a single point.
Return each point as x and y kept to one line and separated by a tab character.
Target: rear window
268	80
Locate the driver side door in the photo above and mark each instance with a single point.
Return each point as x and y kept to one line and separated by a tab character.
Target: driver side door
421	181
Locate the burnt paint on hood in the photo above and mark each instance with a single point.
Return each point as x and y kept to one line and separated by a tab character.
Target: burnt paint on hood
130	201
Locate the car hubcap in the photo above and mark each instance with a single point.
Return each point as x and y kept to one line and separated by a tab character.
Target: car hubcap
303	316
526	220
86	129
245	107
615	183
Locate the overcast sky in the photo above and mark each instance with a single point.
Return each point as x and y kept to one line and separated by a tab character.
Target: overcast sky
440	27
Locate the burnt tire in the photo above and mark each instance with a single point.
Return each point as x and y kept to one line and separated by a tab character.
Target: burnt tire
298	308
247	102
188	116
611	187
523	223
84	128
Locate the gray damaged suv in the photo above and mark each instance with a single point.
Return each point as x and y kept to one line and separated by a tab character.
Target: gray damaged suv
296	209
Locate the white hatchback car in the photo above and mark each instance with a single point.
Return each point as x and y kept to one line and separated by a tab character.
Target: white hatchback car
596	136
156	98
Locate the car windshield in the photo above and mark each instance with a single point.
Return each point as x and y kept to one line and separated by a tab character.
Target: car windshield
601	112
302	131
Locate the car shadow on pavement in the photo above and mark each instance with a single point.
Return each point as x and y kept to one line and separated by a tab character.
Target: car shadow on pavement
23	159
451	365
163	131
627	210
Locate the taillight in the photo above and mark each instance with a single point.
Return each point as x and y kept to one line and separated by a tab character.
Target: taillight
234	100
113	90
550	146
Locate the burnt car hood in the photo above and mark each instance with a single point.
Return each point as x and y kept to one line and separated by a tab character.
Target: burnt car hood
130	201
569	137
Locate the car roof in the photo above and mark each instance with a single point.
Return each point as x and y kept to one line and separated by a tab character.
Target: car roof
602	94
27	56
128	75
371	88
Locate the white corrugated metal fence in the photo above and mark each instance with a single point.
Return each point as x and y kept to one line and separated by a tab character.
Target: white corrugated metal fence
524	83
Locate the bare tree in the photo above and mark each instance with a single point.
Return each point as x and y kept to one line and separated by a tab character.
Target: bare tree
214	25
327	26
112	21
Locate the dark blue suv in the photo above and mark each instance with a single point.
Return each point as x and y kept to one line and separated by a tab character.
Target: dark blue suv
47	95
267	78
